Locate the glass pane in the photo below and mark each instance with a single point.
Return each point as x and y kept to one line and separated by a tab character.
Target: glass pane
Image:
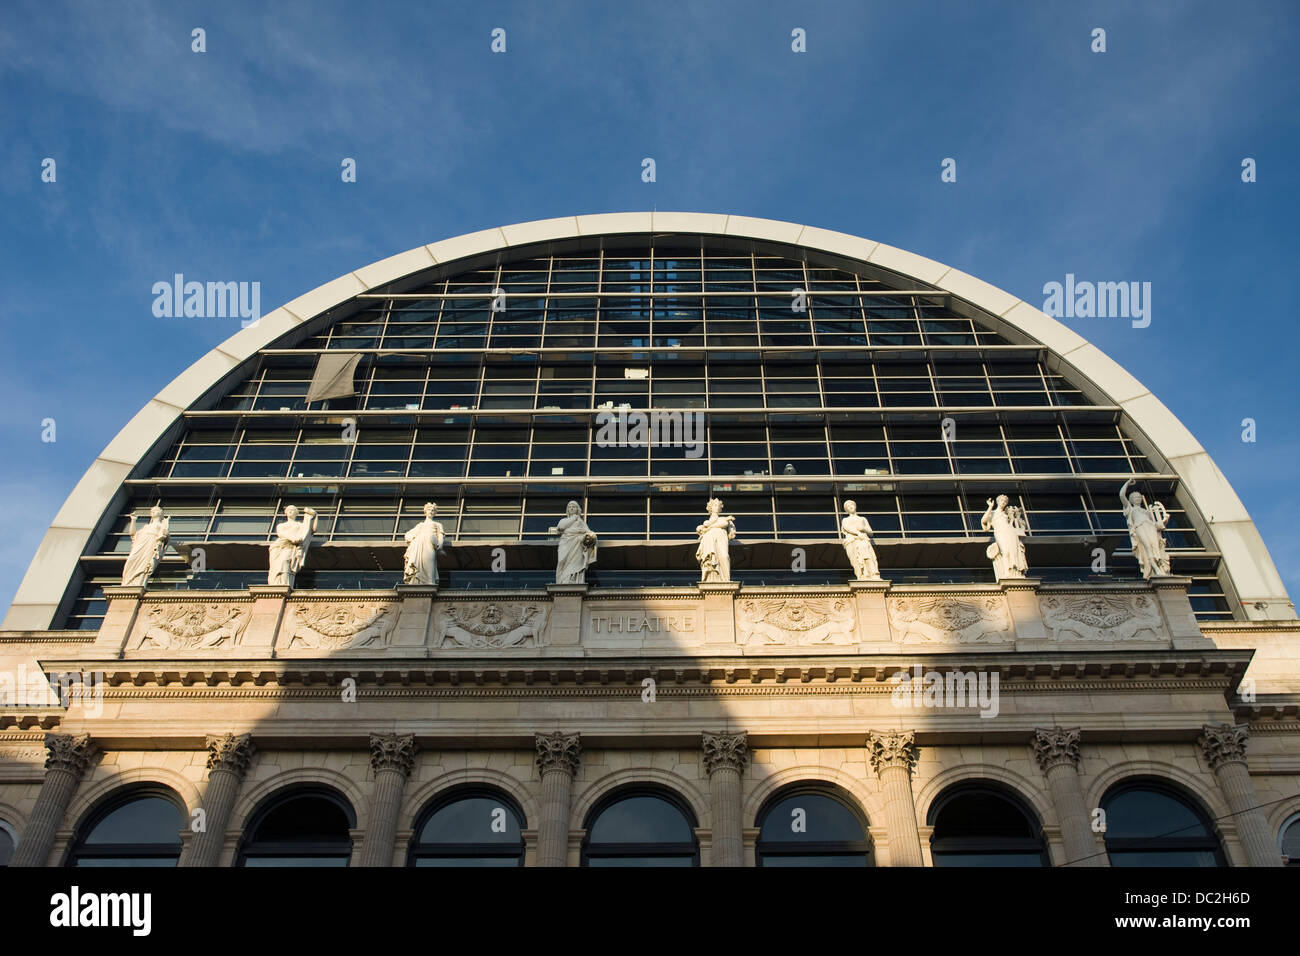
810	818
146	820
641	861
1150	813
641	820
859	859
305	820
260	861
472	820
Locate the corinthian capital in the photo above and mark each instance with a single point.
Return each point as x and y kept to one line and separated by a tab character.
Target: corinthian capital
68	752
726	751
893	748
558	751
1223	743
231	752
392	752
1056	745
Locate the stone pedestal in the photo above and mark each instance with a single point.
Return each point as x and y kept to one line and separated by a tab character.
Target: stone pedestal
1026	615
873	618
268	612
119	619
413	621
1176	609
564	626
717	611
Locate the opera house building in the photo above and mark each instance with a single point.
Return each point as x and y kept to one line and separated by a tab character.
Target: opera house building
656	539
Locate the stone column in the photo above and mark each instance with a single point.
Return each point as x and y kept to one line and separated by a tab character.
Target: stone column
725	758
228	759
557	761
1057	751
893	756
391	758
1225	751
66	763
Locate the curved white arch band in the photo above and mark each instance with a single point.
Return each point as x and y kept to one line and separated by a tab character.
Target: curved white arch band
1249	565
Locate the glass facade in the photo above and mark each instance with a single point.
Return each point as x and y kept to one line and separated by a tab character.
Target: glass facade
815	382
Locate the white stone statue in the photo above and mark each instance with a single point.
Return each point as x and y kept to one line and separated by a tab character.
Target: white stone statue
147	547
423	542
1144	526
857	544
577	546
712	553
1009	527
288	551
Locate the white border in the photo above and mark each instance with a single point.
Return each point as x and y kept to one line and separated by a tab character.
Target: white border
1249	565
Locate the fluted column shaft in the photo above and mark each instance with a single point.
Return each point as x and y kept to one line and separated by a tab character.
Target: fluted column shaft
725	758
228	759
391	758
893	755
1057	751
1225	750
557	761
65	764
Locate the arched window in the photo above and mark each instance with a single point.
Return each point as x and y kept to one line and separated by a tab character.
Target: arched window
1151	824
980	825
640	828
8	840
1289	841
812	826
139	827
300	828
469	828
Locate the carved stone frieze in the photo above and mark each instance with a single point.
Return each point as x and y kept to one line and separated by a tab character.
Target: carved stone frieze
336	625
1102	617
796	620
188	626
490	624
951	620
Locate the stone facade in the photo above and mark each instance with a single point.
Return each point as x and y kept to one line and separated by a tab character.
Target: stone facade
725	696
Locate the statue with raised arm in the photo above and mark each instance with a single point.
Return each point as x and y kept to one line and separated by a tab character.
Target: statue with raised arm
712	553
1145	522
577	546
857	544
147	547
288	551
1009	527
423	542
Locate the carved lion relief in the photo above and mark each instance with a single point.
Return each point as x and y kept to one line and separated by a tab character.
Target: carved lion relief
337	625
796	621
951	620
464	624
185	627
1102	617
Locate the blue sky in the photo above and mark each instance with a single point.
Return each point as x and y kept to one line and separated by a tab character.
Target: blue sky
1123	165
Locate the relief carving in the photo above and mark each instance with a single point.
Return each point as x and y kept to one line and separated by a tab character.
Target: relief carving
462	624
951	620
343	624
797	621
1102	617
185	627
